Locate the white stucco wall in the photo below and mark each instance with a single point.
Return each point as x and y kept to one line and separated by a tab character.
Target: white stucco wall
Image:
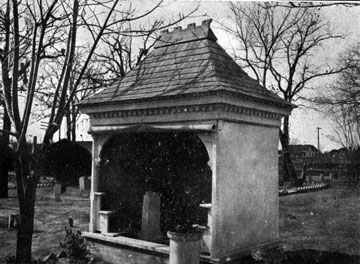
245	210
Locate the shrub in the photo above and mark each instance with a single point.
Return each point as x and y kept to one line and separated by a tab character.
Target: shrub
75	246
10	259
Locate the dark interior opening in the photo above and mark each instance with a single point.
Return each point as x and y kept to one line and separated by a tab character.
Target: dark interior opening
173	165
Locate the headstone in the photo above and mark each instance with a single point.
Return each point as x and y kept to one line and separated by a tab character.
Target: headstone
84	183
57	191
150	223
71	222
13	220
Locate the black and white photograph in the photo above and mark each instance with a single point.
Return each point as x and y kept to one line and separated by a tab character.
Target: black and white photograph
179	132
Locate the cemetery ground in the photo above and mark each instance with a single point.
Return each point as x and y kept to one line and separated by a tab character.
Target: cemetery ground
317	227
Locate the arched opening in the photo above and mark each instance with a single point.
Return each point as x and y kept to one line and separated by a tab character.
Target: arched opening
67	161
174	166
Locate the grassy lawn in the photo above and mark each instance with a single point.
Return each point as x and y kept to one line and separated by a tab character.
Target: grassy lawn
327	220
321	221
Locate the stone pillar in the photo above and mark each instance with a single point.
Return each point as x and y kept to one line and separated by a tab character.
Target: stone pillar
150	222
184	248
98	141
211	142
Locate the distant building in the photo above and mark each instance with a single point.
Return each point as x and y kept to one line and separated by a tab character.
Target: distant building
303	151
341	163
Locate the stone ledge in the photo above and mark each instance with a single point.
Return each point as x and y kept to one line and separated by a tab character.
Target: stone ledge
148	248
164	250
129	242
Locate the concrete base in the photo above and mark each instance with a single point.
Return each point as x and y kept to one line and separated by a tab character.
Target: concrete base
184	247
128	250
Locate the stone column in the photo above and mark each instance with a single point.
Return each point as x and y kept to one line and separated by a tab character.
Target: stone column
98	141
210	141
150	222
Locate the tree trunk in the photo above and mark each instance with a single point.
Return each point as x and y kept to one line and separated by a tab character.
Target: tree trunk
26	194
285	131
289	169
27	197
73	122
5	158
25	228
68	125
4	172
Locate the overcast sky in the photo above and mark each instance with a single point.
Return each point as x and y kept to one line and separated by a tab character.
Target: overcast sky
303	121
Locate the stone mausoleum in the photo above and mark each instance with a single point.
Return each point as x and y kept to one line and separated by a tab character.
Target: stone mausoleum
186	138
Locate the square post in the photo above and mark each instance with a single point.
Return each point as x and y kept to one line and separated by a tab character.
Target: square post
95	199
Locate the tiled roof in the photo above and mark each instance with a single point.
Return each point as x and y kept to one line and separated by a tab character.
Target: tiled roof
185	61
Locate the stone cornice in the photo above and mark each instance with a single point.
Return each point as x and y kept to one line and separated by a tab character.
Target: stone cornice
217	93
173	110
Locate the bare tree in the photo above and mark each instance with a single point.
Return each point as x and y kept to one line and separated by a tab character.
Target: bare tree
277	43
34	37
5	157
122	47
341	100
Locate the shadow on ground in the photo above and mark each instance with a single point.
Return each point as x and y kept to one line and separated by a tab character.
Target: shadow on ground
304	256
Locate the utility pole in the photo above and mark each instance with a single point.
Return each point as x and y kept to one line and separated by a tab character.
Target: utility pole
318	137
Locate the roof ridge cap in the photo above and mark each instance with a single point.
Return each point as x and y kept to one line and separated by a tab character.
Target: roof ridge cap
189	34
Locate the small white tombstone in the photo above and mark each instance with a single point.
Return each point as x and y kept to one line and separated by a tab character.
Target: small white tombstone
84	183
